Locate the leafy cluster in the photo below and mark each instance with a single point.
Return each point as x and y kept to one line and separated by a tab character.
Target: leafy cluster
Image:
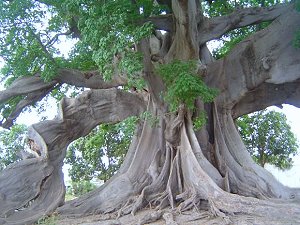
112	28
31	31
268	138
47	220
200	120
80	187
25	39
184	85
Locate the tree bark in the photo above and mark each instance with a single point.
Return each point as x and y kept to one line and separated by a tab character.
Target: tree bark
35	187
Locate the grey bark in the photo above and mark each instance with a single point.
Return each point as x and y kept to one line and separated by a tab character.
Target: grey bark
35	187
215	27
34	88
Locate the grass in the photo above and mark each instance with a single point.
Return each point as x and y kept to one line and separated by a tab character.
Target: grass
47	220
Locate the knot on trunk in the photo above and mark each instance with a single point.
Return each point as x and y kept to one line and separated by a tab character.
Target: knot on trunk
174	122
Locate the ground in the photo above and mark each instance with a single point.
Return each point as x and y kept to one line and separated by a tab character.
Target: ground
187	218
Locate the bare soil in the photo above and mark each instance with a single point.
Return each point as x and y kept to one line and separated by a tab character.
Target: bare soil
193	217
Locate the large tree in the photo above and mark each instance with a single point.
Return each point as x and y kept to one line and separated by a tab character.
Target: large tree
119	45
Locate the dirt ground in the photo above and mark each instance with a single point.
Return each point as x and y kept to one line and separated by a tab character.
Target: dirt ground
169	217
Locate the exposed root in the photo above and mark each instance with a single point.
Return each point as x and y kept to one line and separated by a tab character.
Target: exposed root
149	218
189	203
187	186
217	212
168	217
127	207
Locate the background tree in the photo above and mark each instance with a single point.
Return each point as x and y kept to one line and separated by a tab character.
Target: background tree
268	137
12	145
100	153
79	188
119	48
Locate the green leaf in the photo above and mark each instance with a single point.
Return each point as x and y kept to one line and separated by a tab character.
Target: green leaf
184	85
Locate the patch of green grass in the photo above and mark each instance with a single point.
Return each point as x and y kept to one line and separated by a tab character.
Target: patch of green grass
69	197
47	220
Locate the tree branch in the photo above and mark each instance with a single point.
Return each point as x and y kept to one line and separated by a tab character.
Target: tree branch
25	85
88	79
215	27
30	99
162	22
35	88
268	94
258	67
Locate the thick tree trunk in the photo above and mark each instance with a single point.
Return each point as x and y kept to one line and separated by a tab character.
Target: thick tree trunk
174	172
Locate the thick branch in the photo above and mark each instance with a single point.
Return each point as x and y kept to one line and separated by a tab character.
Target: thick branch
162	22
35	88
265	57
88	79
268	94
29	100
215	27
25	85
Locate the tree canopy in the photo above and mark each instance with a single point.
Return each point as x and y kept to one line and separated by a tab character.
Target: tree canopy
268	137
131	58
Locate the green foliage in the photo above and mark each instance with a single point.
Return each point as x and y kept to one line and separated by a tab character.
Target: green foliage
297	5
219	8
24	37
81	187
200	121
8	107
183	84
12	142
31	31
148	116
268	138
100	154
48	220
81	57
111	30
296	41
